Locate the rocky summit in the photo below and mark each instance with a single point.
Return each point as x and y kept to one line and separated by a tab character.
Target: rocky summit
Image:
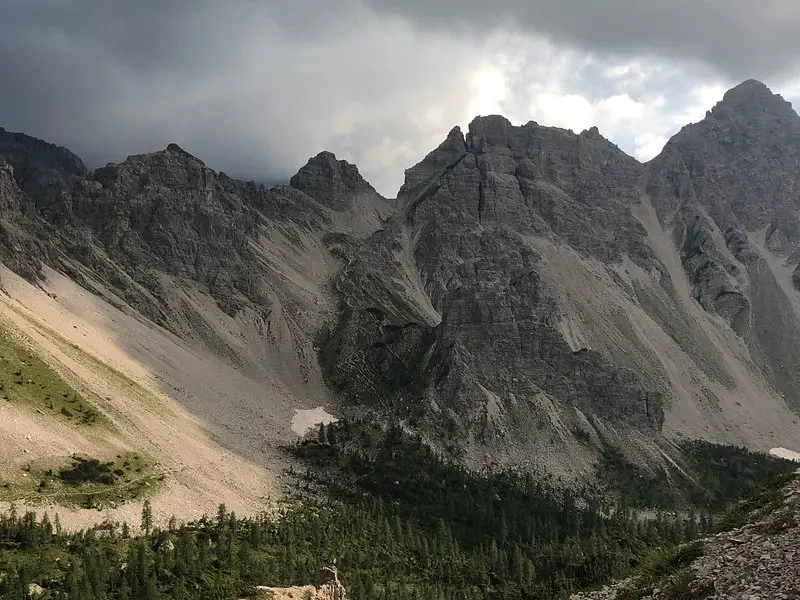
538	280
532	297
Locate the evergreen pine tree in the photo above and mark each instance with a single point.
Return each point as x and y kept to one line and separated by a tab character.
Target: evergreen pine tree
147	517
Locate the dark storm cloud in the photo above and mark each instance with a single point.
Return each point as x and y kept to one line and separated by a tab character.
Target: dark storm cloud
255	87
252	87
740	38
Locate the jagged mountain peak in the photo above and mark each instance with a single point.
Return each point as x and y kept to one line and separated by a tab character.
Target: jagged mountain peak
753	100
523	292
593	133
455	133
497	131
175	149
455	141
171	167
750	85
171	164
326	156
739	162
44	171
727	187
490	130
330	181
36	151
172	153
750	89
529	152
496	122
327	165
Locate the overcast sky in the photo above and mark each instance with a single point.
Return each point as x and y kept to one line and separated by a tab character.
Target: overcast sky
255	87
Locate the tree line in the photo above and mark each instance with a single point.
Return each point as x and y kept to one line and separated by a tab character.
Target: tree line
398	522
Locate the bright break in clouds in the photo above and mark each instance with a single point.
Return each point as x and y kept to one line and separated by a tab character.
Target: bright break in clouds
255	87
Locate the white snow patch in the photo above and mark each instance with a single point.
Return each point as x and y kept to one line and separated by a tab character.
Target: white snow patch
305	420
784	453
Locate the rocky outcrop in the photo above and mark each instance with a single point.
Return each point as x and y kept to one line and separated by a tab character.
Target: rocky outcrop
306	592
758	561
716	279
24	242
728	184
330	182
34	591
328	588
447	320
44	171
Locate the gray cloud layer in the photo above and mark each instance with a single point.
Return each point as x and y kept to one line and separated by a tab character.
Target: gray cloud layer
255	87
740	38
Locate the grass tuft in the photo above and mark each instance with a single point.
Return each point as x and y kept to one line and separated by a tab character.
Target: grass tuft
27	380
659	564
86	482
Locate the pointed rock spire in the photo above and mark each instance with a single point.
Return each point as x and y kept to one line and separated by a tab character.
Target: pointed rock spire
330	181
752	99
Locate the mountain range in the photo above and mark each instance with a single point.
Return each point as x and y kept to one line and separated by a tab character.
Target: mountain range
530	299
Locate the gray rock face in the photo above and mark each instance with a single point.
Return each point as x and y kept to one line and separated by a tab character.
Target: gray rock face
8	187
739	163
543	180
44	171
23	243
756	561
739	167
465	338
715	278
533	295
454	314
166	212
128	225
329	181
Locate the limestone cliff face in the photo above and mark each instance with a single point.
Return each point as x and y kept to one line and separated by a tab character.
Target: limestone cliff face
166	212
170	238
526	295
728	186
739	163
23	243
330	182
44	171
531	295
447	316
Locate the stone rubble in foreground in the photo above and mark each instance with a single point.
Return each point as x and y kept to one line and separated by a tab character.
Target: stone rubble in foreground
760	561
